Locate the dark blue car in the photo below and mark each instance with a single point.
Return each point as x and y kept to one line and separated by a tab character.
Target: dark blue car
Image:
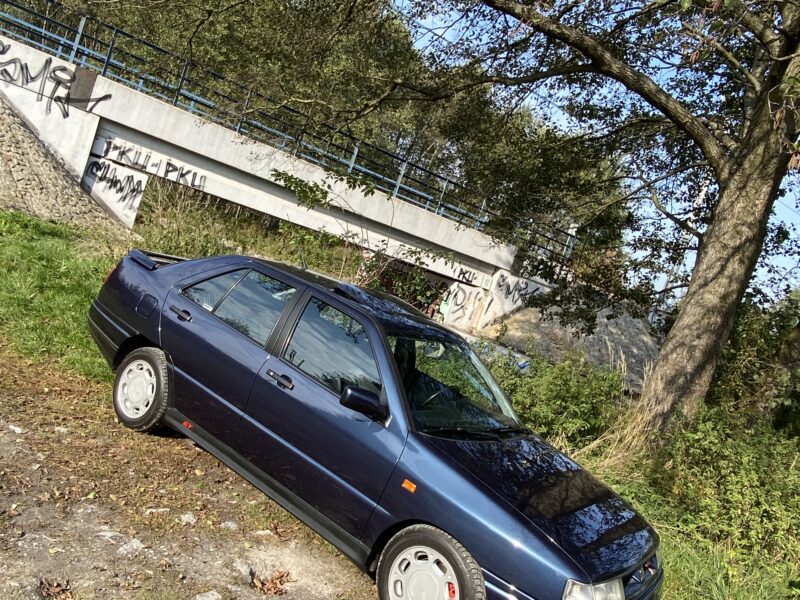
374	425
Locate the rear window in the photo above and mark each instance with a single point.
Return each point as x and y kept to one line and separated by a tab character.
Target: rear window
247	300
254	305
208	293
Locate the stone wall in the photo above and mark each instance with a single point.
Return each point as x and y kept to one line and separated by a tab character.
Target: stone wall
34	181
624	342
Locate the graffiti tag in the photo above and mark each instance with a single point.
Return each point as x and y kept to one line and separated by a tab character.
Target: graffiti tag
50	82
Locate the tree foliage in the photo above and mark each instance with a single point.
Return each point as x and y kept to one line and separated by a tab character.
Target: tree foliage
341	64
693	101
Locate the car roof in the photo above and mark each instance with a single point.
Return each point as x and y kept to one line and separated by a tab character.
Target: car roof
395	315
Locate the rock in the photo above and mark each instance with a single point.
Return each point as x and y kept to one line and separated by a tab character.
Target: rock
61	430
262	532
188	518
212	595
243	568
15	429
150	511
229	525
109	535
130	548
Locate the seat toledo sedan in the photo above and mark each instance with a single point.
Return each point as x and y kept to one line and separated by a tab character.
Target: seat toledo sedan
374	425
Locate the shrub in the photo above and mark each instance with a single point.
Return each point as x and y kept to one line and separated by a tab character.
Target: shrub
738	484
759	370
573	400
178	220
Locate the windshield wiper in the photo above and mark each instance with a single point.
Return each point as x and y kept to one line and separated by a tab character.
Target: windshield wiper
510	430
485	434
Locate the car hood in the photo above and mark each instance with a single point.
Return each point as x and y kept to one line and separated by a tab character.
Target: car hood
593	525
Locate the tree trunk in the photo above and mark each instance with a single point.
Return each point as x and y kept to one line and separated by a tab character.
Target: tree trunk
725	263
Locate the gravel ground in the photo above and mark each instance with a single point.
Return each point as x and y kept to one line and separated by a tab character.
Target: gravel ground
89	509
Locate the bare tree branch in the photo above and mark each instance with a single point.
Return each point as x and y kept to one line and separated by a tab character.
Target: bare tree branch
684	225
434	94
609	65
725	53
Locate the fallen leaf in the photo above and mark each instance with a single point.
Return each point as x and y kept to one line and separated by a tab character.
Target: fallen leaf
274	586
55	590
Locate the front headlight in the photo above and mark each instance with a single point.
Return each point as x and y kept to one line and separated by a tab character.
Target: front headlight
610	590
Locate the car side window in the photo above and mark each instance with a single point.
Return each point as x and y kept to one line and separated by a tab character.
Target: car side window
254	305
333	348
208	293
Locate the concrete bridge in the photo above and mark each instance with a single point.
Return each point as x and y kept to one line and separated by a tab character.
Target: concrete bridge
114	132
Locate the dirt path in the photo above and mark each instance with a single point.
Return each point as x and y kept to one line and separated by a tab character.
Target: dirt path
89	509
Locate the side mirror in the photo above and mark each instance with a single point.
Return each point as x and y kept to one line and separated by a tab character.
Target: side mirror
364	401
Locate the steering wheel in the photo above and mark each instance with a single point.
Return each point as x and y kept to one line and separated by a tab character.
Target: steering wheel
427	404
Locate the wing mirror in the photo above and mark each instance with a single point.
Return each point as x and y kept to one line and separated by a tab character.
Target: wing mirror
364	401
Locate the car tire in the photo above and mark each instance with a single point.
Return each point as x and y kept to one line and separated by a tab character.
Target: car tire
423	561
141	389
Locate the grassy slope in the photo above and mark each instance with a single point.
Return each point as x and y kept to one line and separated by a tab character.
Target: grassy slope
51	273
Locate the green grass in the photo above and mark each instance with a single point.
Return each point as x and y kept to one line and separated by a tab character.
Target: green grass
181	221
50	275
696	567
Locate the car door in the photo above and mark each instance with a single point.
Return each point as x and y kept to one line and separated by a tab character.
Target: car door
215	328
294	428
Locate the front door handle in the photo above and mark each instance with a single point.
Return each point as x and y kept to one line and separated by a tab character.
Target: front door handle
282	380
183	315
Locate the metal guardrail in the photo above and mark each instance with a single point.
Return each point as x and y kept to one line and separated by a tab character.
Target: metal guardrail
147	68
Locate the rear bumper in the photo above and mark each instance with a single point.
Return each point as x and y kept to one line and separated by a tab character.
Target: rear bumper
106	333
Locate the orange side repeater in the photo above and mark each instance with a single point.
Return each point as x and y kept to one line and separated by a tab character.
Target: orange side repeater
409	485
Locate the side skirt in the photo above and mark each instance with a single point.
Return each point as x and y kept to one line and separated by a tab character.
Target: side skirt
347	544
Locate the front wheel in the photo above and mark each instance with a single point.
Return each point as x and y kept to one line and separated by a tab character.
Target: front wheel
423	562
141	389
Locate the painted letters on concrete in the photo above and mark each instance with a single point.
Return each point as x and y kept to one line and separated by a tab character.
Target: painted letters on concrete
47	79
474	308
42	90
118	188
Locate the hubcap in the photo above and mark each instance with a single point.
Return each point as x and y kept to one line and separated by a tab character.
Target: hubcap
422	573
136	389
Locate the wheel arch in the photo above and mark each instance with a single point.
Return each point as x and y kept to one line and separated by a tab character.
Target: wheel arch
129	345
140	341
383	539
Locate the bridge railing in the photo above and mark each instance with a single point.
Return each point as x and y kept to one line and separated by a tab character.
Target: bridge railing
156	72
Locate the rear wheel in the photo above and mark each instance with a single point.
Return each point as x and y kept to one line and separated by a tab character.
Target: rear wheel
423	562
141	389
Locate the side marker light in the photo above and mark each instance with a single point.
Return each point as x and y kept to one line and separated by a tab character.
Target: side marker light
187	424
409	485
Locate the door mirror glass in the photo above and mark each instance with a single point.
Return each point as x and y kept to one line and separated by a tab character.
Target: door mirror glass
363	401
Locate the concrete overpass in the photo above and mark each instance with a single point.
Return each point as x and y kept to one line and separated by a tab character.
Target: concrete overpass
114	134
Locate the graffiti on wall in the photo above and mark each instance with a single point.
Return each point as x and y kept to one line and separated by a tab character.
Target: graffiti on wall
127	188
119	188
514	289
50	82
467	275
469	306
462	302
141	159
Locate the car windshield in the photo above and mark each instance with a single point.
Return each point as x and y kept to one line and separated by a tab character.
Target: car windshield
450	393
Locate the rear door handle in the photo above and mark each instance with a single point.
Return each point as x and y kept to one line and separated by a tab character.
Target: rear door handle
183	315
282	380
